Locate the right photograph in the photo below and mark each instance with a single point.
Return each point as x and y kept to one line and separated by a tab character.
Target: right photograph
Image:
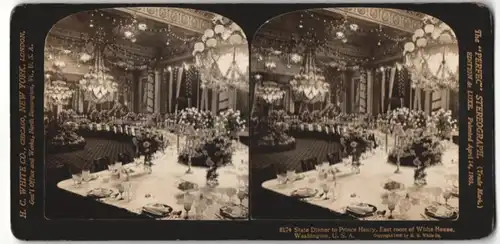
354	116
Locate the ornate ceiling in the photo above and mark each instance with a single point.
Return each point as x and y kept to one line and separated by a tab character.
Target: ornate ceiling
170	32
380	33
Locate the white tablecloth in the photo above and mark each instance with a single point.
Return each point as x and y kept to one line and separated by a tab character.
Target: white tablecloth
161	185
367	187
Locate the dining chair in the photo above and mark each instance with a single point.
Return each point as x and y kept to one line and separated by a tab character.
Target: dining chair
308	164
100	164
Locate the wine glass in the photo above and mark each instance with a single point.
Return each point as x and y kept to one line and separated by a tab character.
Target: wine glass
188	203
231	192
392	201
242	193
447	195
121	189
326	189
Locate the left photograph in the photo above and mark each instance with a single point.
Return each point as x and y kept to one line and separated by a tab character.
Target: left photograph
145	113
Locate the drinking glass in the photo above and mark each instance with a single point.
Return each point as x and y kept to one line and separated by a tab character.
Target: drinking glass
436	192
290	175
77	179
121	189
326	189
231	192
86	175
392	201
281	178
447	195
188	203
200	209
242	193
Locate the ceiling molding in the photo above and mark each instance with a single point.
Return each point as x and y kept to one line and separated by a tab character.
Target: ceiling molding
82	36
407	21
265	38
184	18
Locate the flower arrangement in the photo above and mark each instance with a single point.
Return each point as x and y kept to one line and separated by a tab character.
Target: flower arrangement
306	117
62	137
130	116
316	115
232	120
425	147
408	119
94	116
218	149
443	122
196	118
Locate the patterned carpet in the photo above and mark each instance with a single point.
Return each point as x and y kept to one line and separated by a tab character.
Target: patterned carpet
306	148
95	148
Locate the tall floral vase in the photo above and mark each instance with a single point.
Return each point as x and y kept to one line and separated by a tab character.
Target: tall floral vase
212	175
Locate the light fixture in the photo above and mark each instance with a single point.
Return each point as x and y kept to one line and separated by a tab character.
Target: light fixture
353	27
222	56
340	34
309	85
98	85
128	34
58	92
269	91
432	56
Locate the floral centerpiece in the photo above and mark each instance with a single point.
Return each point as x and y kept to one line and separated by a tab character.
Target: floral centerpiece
129	118
219	149
355	139
426	147
63	137
443	122
196	118
213	135
233	122
408	119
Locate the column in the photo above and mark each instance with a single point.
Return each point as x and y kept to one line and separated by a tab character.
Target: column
215	100
150	92
427	104
157	91
137	98
369	94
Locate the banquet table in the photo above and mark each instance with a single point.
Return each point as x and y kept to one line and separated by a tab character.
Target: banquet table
367	186
161	185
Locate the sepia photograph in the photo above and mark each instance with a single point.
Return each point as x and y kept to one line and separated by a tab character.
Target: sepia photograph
146	113
354	116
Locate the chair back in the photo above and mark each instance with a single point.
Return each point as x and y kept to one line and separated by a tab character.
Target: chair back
308	164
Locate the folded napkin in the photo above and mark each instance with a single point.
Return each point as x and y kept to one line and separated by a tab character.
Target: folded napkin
157	209
360	208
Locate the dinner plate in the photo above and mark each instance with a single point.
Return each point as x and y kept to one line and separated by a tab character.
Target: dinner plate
361	215
441	212
304	192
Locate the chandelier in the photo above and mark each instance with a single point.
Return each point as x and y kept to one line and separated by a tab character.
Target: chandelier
309	85
269	92
432	56
222	56
98	85
58	92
